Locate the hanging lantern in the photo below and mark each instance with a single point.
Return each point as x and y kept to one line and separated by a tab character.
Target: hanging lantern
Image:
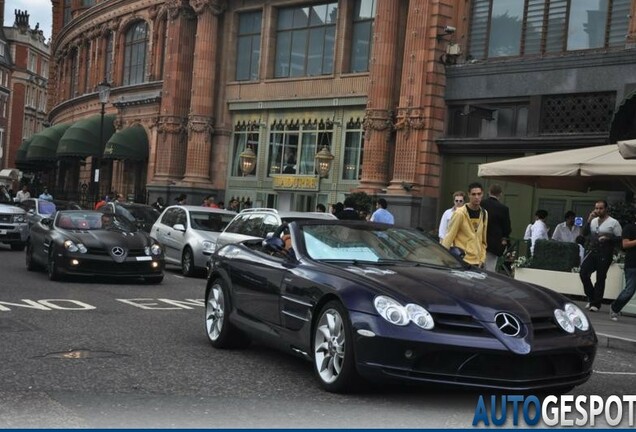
247	161
323	161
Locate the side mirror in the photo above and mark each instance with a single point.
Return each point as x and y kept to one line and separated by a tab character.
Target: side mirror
31	212
179	227
47	222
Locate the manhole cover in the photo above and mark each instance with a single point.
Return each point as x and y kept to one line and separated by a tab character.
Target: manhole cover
81	354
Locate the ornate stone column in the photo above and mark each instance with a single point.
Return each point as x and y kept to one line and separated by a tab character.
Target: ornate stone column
175	100
420	115
204	82
378	121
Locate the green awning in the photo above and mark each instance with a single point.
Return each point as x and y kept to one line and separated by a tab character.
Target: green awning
44	144
21	154
82	138
128	144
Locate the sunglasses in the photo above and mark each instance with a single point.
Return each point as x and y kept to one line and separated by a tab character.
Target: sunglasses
459	201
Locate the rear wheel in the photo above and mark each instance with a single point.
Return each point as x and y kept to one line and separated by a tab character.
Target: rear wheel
187	262
221	333
333	349
51	267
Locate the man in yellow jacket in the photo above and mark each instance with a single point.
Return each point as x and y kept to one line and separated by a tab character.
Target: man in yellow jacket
467	228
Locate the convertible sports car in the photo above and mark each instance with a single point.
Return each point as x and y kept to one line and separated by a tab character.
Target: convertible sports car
79	242
370	300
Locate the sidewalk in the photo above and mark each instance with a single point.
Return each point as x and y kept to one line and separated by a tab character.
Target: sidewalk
619	334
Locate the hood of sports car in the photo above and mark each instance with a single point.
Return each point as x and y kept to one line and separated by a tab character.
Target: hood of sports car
464	291
108	239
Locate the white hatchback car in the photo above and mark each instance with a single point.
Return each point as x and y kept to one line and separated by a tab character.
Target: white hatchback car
188	235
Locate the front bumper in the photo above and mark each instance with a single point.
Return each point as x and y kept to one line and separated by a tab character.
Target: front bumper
14	232
103	265
477	360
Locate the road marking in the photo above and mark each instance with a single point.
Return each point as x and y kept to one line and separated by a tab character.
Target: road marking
76	305
177	276
614	373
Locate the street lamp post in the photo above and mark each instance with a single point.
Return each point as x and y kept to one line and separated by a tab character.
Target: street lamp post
103	90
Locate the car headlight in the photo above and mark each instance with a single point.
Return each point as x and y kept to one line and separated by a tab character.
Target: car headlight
19	218
576	316
563	320
155	249
72	247
395	313
207	245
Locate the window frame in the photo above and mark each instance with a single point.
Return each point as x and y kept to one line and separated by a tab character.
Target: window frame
255	40
135	73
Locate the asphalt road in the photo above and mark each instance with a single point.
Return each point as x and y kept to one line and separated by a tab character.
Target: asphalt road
94	354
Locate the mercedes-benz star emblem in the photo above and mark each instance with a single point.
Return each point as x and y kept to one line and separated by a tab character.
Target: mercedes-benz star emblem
508	324
118	251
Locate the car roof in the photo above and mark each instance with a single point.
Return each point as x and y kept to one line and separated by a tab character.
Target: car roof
291	214
190	208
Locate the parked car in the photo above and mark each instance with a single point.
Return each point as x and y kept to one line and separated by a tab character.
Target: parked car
85	242
189	233
257	223
142	215
362	299
14	229
37	209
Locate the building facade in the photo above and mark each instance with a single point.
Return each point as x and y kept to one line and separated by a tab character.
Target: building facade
24	56
236	98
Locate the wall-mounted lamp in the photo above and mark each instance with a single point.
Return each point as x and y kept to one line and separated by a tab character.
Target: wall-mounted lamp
448	30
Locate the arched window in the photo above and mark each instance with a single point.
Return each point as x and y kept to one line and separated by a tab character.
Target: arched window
136	46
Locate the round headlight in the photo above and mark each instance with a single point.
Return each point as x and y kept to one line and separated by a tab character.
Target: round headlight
19	218
391	310
70	246
82	248
576	316
563	320
420	316
155	249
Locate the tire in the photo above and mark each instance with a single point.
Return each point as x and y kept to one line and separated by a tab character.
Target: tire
51	267
154	280
187	262
332	348
17	246
221	333
30	265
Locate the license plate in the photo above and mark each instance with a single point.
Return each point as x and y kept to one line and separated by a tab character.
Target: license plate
3	232
144	258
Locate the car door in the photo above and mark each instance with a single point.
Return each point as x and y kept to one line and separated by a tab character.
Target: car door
163	229
174	237
29	206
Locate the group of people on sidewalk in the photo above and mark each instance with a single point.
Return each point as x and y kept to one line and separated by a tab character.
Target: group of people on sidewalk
481	229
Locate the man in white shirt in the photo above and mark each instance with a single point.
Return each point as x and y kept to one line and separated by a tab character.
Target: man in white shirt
23	194
382	215
459	198
566	231
45	195
539	229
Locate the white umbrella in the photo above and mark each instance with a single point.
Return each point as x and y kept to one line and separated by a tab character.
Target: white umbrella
627	149
600	168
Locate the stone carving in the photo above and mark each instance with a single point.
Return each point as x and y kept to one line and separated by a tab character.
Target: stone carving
171	125
217	7
409	118
377	120
178	7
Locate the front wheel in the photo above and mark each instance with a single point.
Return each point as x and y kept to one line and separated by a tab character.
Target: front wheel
332	348
30	265
187	262
52	270
221	333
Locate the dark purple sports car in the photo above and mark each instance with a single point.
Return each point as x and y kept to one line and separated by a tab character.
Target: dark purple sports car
83	242
375	301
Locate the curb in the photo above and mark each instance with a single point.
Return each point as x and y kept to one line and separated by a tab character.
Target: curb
616	342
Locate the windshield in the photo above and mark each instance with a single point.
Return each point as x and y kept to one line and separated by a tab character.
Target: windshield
46	207
89	221
206	221
365	244
147	214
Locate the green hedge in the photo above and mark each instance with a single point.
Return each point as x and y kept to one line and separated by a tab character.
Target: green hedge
554	255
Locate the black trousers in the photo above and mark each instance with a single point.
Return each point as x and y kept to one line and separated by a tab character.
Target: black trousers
599	263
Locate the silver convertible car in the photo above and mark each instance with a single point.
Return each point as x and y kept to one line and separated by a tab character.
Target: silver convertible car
188	235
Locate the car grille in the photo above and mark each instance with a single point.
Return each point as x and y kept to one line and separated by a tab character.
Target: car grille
5	218
104	252
7	227
462	324
116	269
545	326
11	236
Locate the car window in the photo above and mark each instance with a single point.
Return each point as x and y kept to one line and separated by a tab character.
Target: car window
181	218
123	212
46	207
169	217
206	221
28	205
253	225
270	223
147	214
89	221
238	224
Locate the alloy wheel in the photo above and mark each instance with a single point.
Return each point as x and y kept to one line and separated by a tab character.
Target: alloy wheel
214	312
329	345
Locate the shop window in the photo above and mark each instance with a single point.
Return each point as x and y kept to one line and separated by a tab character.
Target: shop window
504	28
488	120
305	40
353	148
246	135
578	113
248	46
293	145
362	38
136	46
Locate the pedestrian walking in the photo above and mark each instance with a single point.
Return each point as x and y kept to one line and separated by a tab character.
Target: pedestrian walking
467	228
499	227
629	245
348	212
605	233
381	214
459	199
